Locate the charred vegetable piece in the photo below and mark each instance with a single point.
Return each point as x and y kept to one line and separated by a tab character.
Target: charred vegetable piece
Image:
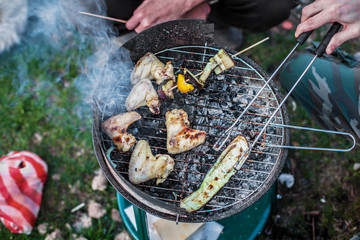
218	70
220	66
166	87
182	85
162	94
216	59
193	78
218	175
207	71
224	61
220	62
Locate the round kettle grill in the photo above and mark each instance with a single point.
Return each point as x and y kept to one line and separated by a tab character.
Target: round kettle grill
189	44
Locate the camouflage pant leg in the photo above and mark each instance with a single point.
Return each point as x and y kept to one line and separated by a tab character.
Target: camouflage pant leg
329	91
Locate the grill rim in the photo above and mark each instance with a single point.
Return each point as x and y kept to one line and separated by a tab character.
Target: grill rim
161	208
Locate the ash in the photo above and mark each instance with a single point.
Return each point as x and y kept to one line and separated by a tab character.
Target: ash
212	109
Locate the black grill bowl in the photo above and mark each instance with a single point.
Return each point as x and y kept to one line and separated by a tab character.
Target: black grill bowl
149	197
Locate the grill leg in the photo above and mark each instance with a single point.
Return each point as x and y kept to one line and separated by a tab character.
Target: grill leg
140	218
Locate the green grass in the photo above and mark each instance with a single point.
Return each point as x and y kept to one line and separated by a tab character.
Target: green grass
43	112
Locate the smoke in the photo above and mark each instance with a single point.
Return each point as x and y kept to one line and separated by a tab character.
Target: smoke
12	22
61	19
55	29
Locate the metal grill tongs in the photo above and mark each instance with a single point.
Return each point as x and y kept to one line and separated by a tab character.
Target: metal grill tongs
319	52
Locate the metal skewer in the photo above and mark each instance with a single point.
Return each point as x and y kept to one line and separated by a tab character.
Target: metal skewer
319	52
300	40
237	167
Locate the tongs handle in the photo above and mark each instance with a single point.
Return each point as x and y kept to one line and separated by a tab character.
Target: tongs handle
301	39
319	51
322	47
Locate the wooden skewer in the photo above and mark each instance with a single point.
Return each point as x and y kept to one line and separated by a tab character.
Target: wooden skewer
104	17
242	51
248	48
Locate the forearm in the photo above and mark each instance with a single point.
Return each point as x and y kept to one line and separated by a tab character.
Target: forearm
190	4
152	12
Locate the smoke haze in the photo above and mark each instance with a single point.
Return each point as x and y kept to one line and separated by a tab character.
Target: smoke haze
56	29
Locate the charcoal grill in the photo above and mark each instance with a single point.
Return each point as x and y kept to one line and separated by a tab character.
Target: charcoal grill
212	109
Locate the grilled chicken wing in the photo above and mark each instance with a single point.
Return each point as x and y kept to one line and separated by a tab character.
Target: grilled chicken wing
144	166
116	126
150	67
180	137
143	93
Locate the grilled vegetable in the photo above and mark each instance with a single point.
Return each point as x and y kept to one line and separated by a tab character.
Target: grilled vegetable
218	175
193	78
219	63
219	67
224	61
182	85
165	90
207	71
161	94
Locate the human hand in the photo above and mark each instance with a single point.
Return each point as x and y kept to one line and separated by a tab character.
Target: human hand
320	12
152	12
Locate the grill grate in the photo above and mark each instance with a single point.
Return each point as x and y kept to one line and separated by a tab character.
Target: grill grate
212	109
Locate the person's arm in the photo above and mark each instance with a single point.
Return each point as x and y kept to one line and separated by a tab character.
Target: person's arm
320	12
152	12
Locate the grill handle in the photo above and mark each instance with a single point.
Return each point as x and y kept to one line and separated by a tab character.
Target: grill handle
316	130
322	47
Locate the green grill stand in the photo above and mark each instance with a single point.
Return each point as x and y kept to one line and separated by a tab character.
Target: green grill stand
244	225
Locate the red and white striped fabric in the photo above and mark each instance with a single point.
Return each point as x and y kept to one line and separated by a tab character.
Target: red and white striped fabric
22	177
